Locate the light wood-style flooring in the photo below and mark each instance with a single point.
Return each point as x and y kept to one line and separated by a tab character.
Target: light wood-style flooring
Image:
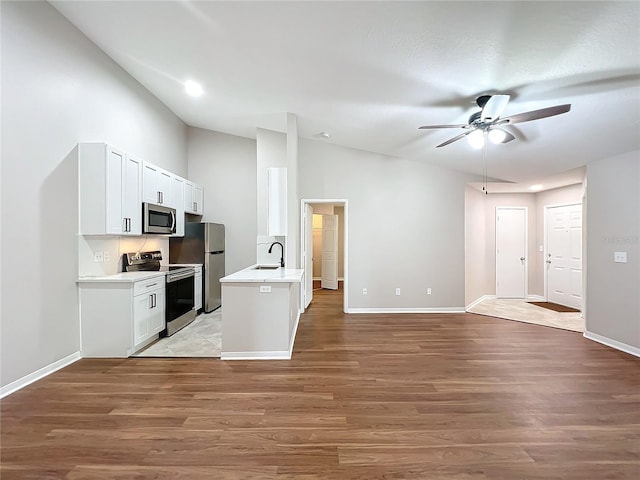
434	397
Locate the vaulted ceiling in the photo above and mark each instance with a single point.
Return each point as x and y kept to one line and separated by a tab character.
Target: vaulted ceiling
370	73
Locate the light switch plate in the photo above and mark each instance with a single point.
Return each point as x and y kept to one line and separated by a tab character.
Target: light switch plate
620	257
364	291
265	288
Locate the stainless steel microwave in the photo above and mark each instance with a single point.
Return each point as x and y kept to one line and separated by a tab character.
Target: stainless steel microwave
158	219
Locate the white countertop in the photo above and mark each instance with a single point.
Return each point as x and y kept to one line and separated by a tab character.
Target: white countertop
121	277
251	275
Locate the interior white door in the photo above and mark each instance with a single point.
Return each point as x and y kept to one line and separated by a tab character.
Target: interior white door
564	255
511	247
329	252
308	254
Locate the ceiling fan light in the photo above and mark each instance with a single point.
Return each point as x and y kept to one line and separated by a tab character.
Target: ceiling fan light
476	139
497	136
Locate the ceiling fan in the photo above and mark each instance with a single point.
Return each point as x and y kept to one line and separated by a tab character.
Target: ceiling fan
487	122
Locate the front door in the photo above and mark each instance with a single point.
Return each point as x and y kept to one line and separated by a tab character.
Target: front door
511	247
564	255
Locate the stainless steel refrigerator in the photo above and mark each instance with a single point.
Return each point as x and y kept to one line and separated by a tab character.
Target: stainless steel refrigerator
202	243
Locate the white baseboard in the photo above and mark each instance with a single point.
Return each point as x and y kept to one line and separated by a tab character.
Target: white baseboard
479	300
407	310
536	298
263	355
38	374
630	349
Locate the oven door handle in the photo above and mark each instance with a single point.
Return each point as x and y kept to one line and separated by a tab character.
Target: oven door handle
174	277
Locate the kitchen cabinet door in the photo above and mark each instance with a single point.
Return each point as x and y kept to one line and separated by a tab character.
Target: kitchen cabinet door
148	315
193	198
156	185
197	290
157	313
177	200
132	195
142	305
198	198
109	191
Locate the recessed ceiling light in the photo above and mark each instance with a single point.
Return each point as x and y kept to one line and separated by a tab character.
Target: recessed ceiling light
535	188
192	88
324	135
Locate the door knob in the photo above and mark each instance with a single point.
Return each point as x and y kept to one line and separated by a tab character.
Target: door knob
522	259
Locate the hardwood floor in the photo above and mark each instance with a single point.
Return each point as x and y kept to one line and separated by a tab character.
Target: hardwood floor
436	397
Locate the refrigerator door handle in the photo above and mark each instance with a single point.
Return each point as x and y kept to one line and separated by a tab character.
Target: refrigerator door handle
216	252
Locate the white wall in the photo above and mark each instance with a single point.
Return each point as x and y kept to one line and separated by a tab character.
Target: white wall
613	225
58	89
406	224
475	246
225	165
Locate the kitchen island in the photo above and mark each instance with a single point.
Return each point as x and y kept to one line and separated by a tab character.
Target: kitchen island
260	312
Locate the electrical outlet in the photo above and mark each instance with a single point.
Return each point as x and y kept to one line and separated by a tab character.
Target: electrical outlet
620	257
364	291
105	256
265	288
397	291
98	257
428	291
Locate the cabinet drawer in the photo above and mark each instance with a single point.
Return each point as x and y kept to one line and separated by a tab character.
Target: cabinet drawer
148	285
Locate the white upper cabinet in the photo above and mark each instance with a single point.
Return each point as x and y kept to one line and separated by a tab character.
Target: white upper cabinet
277	201
156	185
177	197
113	185
193	198
109	191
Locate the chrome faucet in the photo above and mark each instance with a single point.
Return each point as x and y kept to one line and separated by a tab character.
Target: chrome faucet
281	250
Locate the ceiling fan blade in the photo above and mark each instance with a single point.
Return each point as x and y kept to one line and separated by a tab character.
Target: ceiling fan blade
442	126
535	114
456	138
494	108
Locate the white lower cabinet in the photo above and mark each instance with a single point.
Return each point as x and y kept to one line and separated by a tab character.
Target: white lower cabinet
119	318
197	289
148	315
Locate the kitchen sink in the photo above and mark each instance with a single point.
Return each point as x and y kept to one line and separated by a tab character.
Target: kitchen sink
266	267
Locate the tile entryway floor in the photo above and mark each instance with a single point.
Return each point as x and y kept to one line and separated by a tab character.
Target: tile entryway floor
521	311
201	338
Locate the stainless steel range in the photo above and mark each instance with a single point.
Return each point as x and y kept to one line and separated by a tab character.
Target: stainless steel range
179	287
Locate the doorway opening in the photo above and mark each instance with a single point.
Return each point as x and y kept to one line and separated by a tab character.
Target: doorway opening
324	249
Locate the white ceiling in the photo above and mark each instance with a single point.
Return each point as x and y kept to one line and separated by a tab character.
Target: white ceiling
370	73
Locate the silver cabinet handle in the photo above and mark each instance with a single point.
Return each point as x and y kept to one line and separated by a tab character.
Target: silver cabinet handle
151	285
124	224
150	301
128	224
